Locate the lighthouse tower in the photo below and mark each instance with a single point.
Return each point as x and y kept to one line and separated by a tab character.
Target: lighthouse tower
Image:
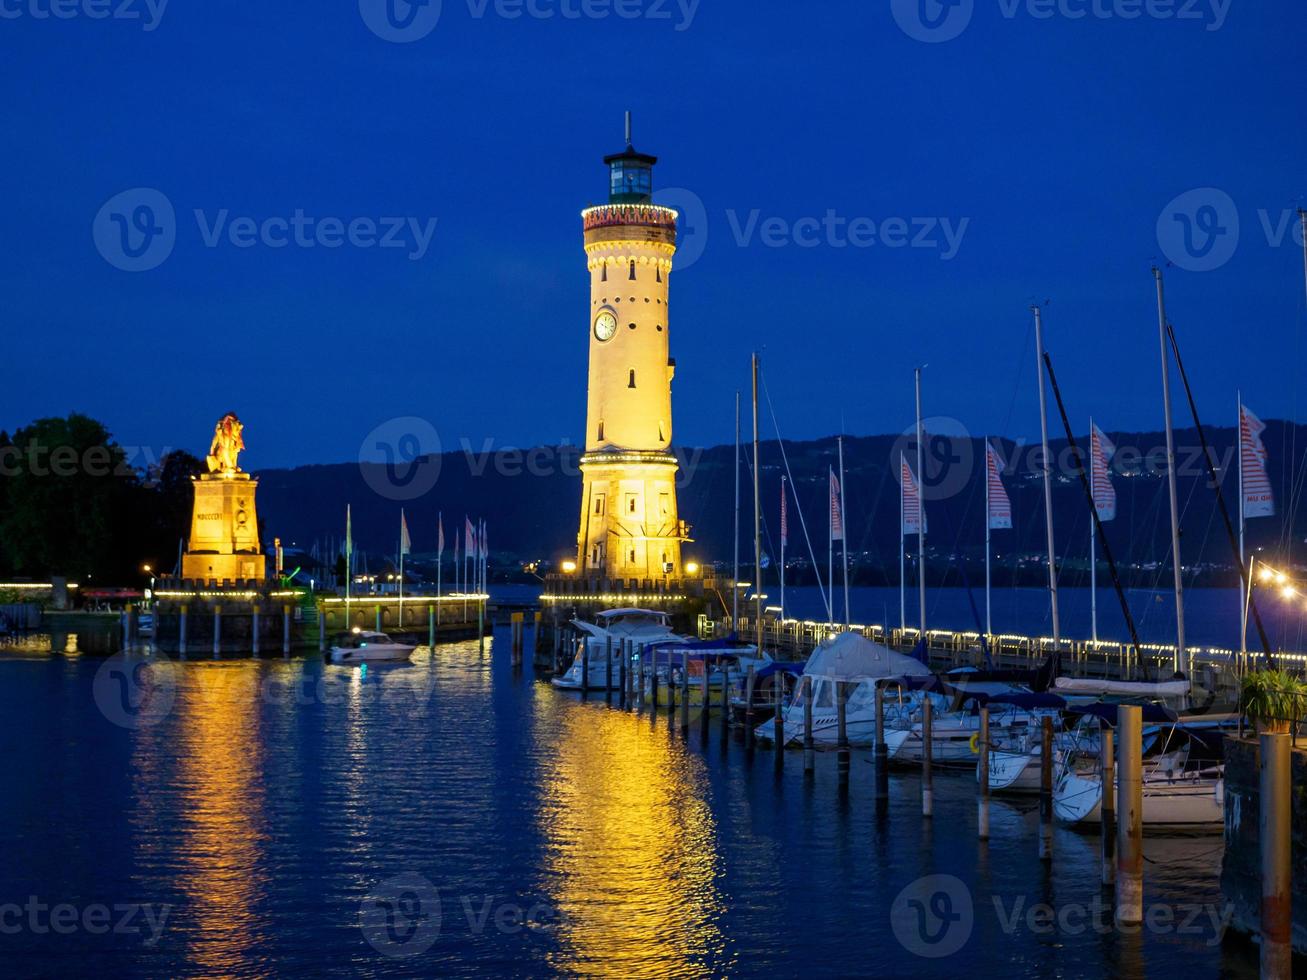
630	529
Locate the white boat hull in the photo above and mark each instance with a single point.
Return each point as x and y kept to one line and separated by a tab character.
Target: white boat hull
371	654
1184	801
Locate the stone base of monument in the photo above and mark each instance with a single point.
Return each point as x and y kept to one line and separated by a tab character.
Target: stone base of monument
237	617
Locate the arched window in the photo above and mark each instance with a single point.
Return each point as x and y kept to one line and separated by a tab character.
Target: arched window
601	430
631	383
633	268
603	272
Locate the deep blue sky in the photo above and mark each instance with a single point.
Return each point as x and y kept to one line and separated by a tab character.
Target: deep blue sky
1060	141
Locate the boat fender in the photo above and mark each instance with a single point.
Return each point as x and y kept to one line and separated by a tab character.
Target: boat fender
975	744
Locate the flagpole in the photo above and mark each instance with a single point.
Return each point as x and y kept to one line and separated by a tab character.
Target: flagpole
844	540
989	618
1048	478
440	558
830	550
735	567
349	562
921	510
1093	553
757	510
1170	475
403	528
1243	562
903	548
784	528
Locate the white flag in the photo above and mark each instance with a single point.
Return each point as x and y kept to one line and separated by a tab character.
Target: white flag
836	524
405	545
1101	451
914	517
1257	498
1000	507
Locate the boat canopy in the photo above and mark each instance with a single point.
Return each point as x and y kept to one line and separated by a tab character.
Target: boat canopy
1102	686
1020	699
1106	711
853	657
793	668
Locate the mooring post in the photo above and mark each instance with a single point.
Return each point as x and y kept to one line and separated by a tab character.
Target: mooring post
726	702
322	630
882	750
431	626
181	642
749	681
1107	825
841	732
481	623
217	630
1274	830
608	668
1130	816
584	651
778	719
127	625
982	812
927	754
285	631
685	690
621	671
653	684
809	756
378	617
255	638
705	697
1046	789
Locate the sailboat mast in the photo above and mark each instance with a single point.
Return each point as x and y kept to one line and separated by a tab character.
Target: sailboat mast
921	510
1243	562
784	531
757	512
1048	476
844	540
735	567
1093	555
903	548
989	619
1170	473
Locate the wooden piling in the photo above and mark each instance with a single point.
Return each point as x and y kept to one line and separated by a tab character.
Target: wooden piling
749	681
431	629
584	652
705	698
1274	830
621	670
841	731
809	756
378	617
1046	789
653	685
322	631
217	631
927	758
882	750
181	642
685	690
255	638
1130	816
608	668
982	811
1107	825
726	702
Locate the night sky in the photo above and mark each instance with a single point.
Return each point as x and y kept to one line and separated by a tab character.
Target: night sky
1051	147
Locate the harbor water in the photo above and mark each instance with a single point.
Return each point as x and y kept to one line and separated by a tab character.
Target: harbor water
456	816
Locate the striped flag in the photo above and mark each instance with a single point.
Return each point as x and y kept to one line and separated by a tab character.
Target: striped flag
1257	498
469	539
836	525
1000	507
1101	451
405	543
349	540
785	518
914	518
440	535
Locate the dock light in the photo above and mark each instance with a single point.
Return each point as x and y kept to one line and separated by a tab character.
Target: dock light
1288	592
1280	578
691	568
569	567
1266	573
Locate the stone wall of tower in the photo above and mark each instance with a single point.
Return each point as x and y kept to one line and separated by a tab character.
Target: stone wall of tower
629	524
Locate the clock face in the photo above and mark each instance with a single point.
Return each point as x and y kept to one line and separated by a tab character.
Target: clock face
605	326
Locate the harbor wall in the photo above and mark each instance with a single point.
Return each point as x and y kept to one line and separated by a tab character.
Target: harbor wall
1241	876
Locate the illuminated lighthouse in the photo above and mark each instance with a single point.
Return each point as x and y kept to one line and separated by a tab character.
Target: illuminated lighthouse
630	528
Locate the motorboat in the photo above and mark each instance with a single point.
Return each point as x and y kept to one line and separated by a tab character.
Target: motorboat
858	663
369	646
1183	778
675	662
611	630
1014	715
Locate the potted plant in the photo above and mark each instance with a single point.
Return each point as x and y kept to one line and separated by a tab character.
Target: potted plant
1271	699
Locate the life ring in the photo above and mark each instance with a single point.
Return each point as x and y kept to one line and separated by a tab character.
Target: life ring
975	744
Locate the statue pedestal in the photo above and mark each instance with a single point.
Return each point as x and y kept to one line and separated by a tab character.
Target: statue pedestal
224	540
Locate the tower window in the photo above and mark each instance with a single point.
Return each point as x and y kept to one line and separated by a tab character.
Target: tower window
603	272
659	273
599	505
631	326
632	556
662	437
601	430
633	268
630	503
659	328
631	383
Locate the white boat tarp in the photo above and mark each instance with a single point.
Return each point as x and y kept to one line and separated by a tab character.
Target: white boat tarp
853	657
1098	686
